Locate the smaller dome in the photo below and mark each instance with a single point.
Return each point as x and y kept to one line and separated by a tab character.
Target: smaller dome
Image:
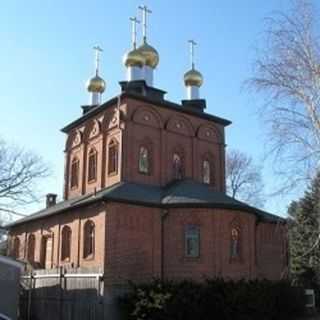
96	84
193	78
134	58
150	54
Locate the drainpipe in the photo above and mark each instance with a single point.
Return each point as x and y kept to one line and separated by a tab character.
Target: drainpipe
79	241
163	216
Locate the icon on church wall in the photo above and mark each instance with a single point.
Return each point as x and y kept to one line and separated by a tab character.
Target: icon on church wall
144	160
177	166
206	171
192	241
235	248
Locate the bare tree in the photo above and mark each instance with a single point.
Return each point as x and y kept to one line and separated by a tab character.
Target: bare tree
20	171
244	179
287	72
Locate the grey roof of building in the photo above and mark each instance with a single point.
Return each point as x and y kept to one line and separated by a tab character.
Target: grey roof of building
179	194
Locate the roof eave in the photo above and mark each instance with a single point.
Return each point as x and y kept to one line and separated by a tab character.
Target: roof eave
162	103
89	114
251	210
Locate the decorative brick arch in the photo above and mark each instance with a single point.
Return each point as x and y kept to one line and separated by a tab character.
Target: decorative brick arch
147	116
74	139
92	130
180	125
111	119
209	133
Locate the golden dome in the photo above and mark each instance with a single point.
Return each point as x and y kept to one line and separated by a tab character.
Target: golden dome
193	78
134	58
150	54
96	84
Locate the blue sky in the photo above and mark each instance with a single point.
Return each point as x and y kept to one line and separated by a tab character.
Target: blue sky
46	57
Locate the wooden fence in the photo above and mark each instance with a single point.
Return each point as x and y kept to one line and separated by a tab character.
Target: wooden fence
59	294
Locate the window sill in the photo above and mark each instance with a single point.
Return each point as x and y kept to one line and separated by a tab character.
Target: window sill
145	173
92	181
112	174
89	258
192	259
236	260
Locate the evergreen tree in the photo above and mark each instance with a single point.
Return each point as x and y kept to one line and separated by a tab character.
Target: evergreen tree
304	235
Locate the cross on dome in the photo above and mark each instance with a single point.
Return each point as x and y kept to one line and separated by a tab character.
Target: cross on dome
145	12
192	45
96	85
134	21
97	50
193	79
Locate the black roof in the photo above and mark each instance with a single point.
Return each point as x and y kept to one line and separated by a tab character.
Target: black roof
180	194
158	102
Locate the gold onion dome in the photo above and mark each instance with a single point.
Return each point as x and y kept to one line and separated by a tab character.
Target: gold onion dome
150	54
96	84
134	58
193	78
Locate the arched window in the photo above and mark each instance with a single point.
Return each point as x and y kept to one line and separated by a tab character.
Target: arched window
144	160
31	247
235	244
66	243
178	169
74	173
89	239
206	171
92	165
113	152
16	247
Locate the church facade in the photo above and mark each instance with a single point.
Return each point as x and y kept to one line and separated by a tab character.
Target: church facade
145	193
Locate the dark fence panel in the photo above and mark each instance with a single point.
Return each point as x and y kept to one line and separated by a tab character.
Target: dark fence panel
58	294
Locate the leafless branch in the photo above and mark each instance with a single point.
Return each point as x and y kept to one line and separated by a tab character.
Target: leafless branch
244	180
20	171
287	72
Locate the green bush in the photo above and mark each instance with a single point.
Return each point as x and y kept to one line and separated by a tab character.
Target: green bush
213	299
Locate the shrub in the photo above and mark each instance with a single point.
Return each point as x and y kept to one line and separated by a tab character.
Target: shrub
213	299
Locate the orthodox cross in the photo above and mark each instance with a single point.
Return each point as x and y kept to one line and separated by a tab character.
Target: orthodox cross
192	45
134	21
97	50
145	12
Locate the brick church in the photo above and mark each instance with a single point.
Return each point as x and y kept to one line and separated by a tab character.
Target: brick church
145	192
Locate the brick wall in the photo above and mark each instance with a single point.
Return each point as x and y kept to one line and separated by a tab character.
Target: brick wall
271	250
215	236
134	244
129	242
137	123
52	227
